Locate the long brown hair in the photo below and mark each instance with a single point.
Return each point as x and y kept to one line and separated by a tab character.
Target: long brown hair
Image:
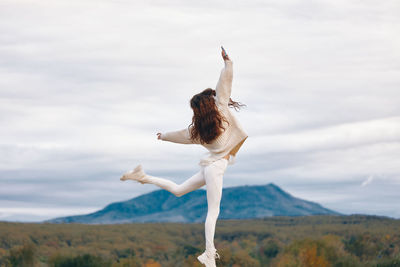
207	120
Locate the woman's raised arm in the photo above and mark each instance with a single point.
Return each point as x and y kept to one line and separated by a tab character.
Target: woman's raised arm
224	86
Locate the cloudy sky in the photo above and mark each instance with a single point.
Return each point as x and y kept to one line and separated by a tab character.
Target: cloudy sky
86	85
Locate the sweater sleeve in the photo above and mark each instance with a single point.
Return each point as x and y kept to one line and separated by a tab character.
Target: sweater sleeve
224	85
180	137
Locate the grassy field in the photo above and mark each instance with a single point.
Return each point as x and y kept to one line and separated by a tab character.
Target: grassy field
274	241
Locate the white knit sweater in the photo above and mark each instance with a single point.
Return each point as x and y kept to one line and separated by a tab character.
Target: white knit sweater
230	141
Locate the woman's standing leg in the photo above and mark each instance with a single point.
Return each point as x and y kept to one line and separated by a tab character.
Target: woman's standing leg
191	184
213	175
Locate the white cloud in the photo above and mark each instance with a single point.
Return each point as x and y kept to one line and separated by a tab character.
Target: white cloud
32	214
345	135
86	85
367	181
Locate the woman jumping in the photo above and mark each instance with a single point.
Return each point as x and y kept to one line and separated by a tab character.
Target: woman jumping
215	127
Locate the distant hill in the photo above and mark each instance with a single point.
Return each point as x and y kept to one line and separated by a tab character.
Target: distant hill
239	202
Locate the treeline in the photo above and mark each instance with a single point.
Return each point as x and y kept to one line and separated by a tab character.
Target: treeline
320	241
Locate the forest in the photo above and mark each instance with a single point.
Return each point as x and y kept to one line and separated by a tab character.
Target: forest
321	240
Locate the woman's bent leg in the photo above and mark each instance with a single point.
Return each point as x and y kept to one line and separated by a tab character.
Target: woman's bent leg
213	175
191	184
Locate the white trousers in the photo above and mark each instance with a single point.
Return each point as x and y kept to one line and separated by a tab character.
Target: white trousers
210	175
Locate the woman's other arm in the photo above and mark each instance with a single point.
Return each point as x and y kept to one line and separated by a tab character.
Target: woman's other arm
180	137
224	85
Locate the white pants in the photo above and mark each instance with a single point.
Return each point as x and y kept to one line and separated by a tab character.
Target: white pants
210	175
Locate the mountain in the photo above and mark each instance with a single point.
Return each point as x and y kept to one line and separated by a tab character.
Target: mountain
239	202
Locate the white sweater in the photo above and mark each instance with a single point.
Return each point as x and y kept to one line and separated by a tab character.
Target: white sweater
229	141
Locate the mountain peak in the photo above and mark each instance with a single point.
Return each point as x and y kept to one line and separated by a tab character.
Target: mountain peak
238	202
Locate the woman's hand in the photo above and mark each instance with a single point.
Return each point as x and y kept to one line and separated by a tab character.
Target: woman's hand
159	136
224	54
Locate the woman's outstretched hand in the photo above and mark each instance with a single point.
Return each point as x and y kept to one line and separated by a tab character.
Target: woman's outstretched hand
158	135
224	54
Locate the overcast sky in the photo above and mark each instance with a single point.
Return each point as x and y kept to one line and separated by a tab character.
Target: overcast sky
86	85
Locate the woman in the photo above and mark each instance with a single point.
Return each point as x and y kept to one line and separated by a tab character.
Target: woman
216	128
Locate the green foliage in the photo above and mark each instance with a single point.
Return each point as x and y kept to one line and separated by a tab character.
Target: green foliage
356	245
190	250
127	262
124	253
85	260
330	241
270	249
348	261
22	256
390	262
